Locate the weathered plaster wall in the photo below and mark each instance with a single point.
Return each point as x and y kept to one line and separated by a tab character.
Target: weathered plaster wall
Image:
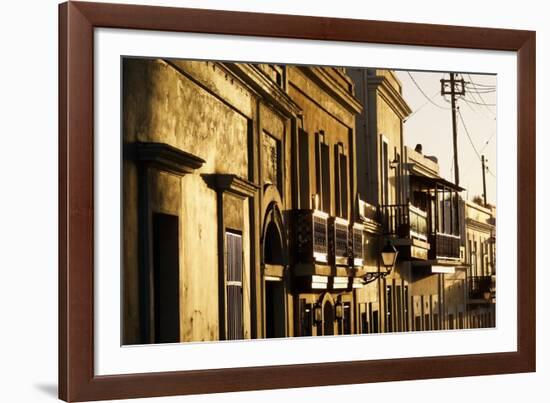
199	249
179	104
166	106
321	113
455	296
425	296
389	126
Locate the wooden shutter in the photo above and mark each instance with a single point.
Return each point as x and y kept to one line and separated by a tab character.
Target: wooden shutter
234	286
325	177
337	181
344	186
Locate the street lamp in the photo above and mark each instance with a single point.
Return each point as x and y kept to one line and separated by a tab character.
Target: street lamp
388	256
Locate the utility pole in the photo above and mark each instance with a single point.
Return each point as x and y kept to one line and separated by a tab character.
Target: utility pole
449	87
483	169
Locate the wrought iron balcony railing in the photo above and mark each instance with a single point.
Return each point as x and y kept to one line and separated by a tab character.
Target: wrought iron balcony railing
480	287
404	221
444	246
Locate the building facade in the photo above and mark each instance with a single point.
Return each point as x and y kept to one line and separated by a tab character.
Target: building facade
257	199
417	210
480	257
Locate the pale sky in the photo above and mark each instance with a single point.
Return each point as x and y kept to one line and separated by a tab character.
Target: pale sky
431	125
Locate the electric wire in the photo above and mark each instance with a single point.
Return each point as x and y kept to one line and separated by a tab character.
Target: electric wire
423	93
478	103
480	97
421	107
468	134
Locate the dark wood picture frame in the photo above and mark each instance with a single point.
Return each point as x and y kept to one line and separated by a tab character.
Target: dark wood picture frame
77	21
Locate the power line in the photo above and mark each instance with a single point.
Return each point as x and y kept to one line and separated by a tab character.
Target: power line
478	84
481	92
477	91
468	134
481	112
472	143
481	159
423	93
488	140
481	88
480	97
422	106
477	103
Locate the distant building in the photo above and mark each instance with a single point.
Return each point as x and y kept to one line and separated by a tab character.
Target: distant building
480	256
418	212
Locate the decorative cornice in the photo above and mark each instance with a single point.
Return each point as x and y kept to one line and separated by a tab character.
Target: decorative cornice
260	83
328	84
474	224
165	157
232	184
394	99
421	170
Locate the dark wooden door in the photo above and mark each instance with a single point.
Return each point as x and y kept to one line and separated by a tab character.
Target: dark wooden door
166	278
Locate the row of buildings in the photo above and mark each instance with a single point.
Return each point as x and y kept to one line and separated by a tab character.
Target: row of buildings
257	200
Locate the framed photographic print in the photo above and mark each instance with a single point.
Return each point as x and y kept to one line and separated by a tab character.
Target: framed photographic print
253	201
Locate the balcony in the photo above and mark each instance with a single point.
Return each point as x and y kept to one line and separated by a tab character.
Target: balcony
310	236
481	288
444	246
404	221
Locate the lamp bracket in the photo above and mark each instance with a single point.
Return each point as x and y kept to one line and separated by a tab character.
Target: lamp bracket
373	276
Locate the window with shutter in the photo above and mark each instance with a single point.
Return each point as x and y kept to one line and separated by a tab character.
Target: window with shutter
341	181
234	286
325	175
343	186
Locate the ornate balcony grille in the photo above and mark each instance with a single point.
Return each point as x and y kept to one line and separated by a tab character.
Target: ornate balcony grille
357	245
341	240
310	236
405	221
320	244
444	246
480	287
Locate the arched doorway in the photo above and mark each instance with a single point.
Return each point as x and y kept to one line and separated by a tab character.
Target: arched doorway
273	245
273	259
328	318
327	304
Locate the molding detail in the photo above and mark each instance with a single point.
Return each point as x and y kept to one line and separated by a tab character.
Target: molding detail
328	84
167	158
393	98
256	80
232	184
